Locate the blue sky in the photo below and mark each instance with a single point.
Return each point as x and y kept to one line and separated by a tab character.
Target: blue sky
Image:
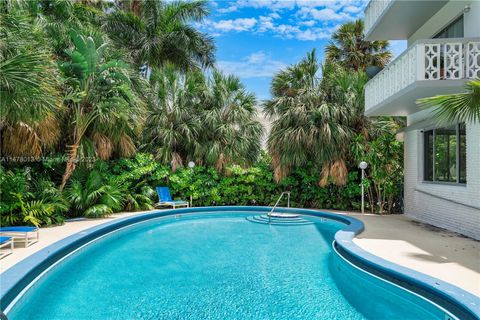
255	39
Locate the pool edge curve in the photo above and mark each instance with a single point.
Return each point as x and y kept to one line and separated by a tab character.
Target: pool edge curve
20	275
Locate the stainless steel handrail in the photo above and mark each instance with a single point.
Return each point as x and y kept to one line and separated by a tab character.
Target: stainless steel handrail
278	201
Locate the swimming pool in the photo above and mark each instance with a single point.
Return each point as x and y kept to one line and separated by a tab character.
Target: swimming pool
217	264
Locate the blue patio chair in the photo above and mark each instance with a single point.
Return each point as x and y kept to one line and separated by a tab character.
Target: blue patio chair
6	241
165	199
27	235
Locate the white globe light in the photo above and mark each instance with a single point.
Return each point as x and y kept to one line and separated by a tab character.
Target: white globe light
363	165
191	164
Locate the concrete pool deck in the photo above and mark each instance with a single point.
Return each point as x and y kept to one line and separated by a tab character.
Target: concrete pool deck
396	238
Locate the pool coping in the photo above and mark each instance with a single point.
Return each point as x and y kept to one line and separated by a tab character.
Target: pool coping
20	275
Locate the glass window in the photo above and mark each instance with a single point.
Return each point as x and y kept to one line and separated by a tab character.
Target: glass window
453	30
445	154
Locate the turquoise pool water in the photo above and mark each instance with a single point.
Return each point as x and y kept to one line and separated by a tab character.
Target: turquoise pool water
216	267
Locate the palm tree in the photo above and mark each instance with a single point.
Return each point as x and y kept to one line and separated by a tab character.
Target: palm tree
29	91
350	49
230	132
314	119
458	107
212	122
173	121
157	32
57	17
105	111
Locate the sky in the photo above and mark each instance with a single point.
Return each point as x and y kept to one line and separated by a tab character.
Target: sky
257	38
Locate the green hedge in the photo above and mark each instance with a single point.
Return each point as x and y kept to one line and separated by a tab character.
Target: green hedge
28	194
242	186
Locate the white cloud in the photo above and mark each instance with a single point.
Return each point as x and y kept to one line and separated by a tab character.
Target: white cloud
352	9
228	9
256	65
269	4
265	24
274	15
308	23
256	57
239	24
312	35
287	30
325	14
305	20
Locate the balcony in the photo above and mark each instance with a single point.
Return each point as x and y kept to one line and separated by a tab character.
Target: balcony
397	19
427	68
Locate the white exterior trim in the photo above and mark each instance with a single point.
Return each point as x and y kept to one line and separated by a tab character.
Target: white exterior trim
451	206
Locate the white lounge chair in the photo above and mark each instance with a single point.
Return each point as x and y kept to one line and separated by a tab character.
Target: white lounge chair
6	242
27	235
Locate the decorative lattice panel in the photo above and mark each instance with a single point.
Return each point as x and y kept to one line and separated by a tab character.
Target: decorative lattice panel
473	60
452	67
432	61
446	59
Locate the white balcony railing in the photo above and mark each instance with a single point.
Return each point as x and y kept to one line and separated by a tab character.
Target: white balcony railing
429	60
373	11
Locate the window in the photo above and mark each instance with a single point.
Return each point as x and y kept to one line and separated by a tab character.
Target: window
445	154
453	30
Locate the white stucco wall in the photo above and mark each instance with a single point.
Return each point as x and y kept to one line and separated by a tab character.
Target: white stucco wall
453	207
446	15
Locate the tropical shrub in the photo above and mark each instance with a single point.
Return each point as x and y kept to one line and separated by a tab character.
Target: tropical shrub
133	174
384	176
93	194
129	184
25	201
253	185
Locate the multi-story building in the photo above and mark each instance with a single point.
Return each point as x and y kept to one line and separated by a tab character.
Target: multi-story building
442	161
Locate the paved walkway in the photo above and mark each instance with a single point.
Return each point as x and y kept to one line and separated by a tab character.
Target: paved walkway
53	234
430	250
396	238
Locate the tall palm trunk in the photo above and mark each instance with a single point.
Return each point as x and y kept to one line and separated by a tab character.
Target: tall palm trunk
82	122
136	7
71	164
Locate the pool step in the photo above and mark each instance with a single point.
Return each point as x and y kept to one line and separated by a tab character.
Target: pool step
287	220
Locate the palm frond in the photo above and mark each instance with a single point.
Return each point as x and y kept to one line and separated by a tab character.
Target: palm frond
459	107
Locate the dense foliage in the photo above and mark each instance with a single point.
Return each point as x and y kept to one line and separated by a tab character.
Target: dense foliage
211	120
128	184
29	201
318	118
102	101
